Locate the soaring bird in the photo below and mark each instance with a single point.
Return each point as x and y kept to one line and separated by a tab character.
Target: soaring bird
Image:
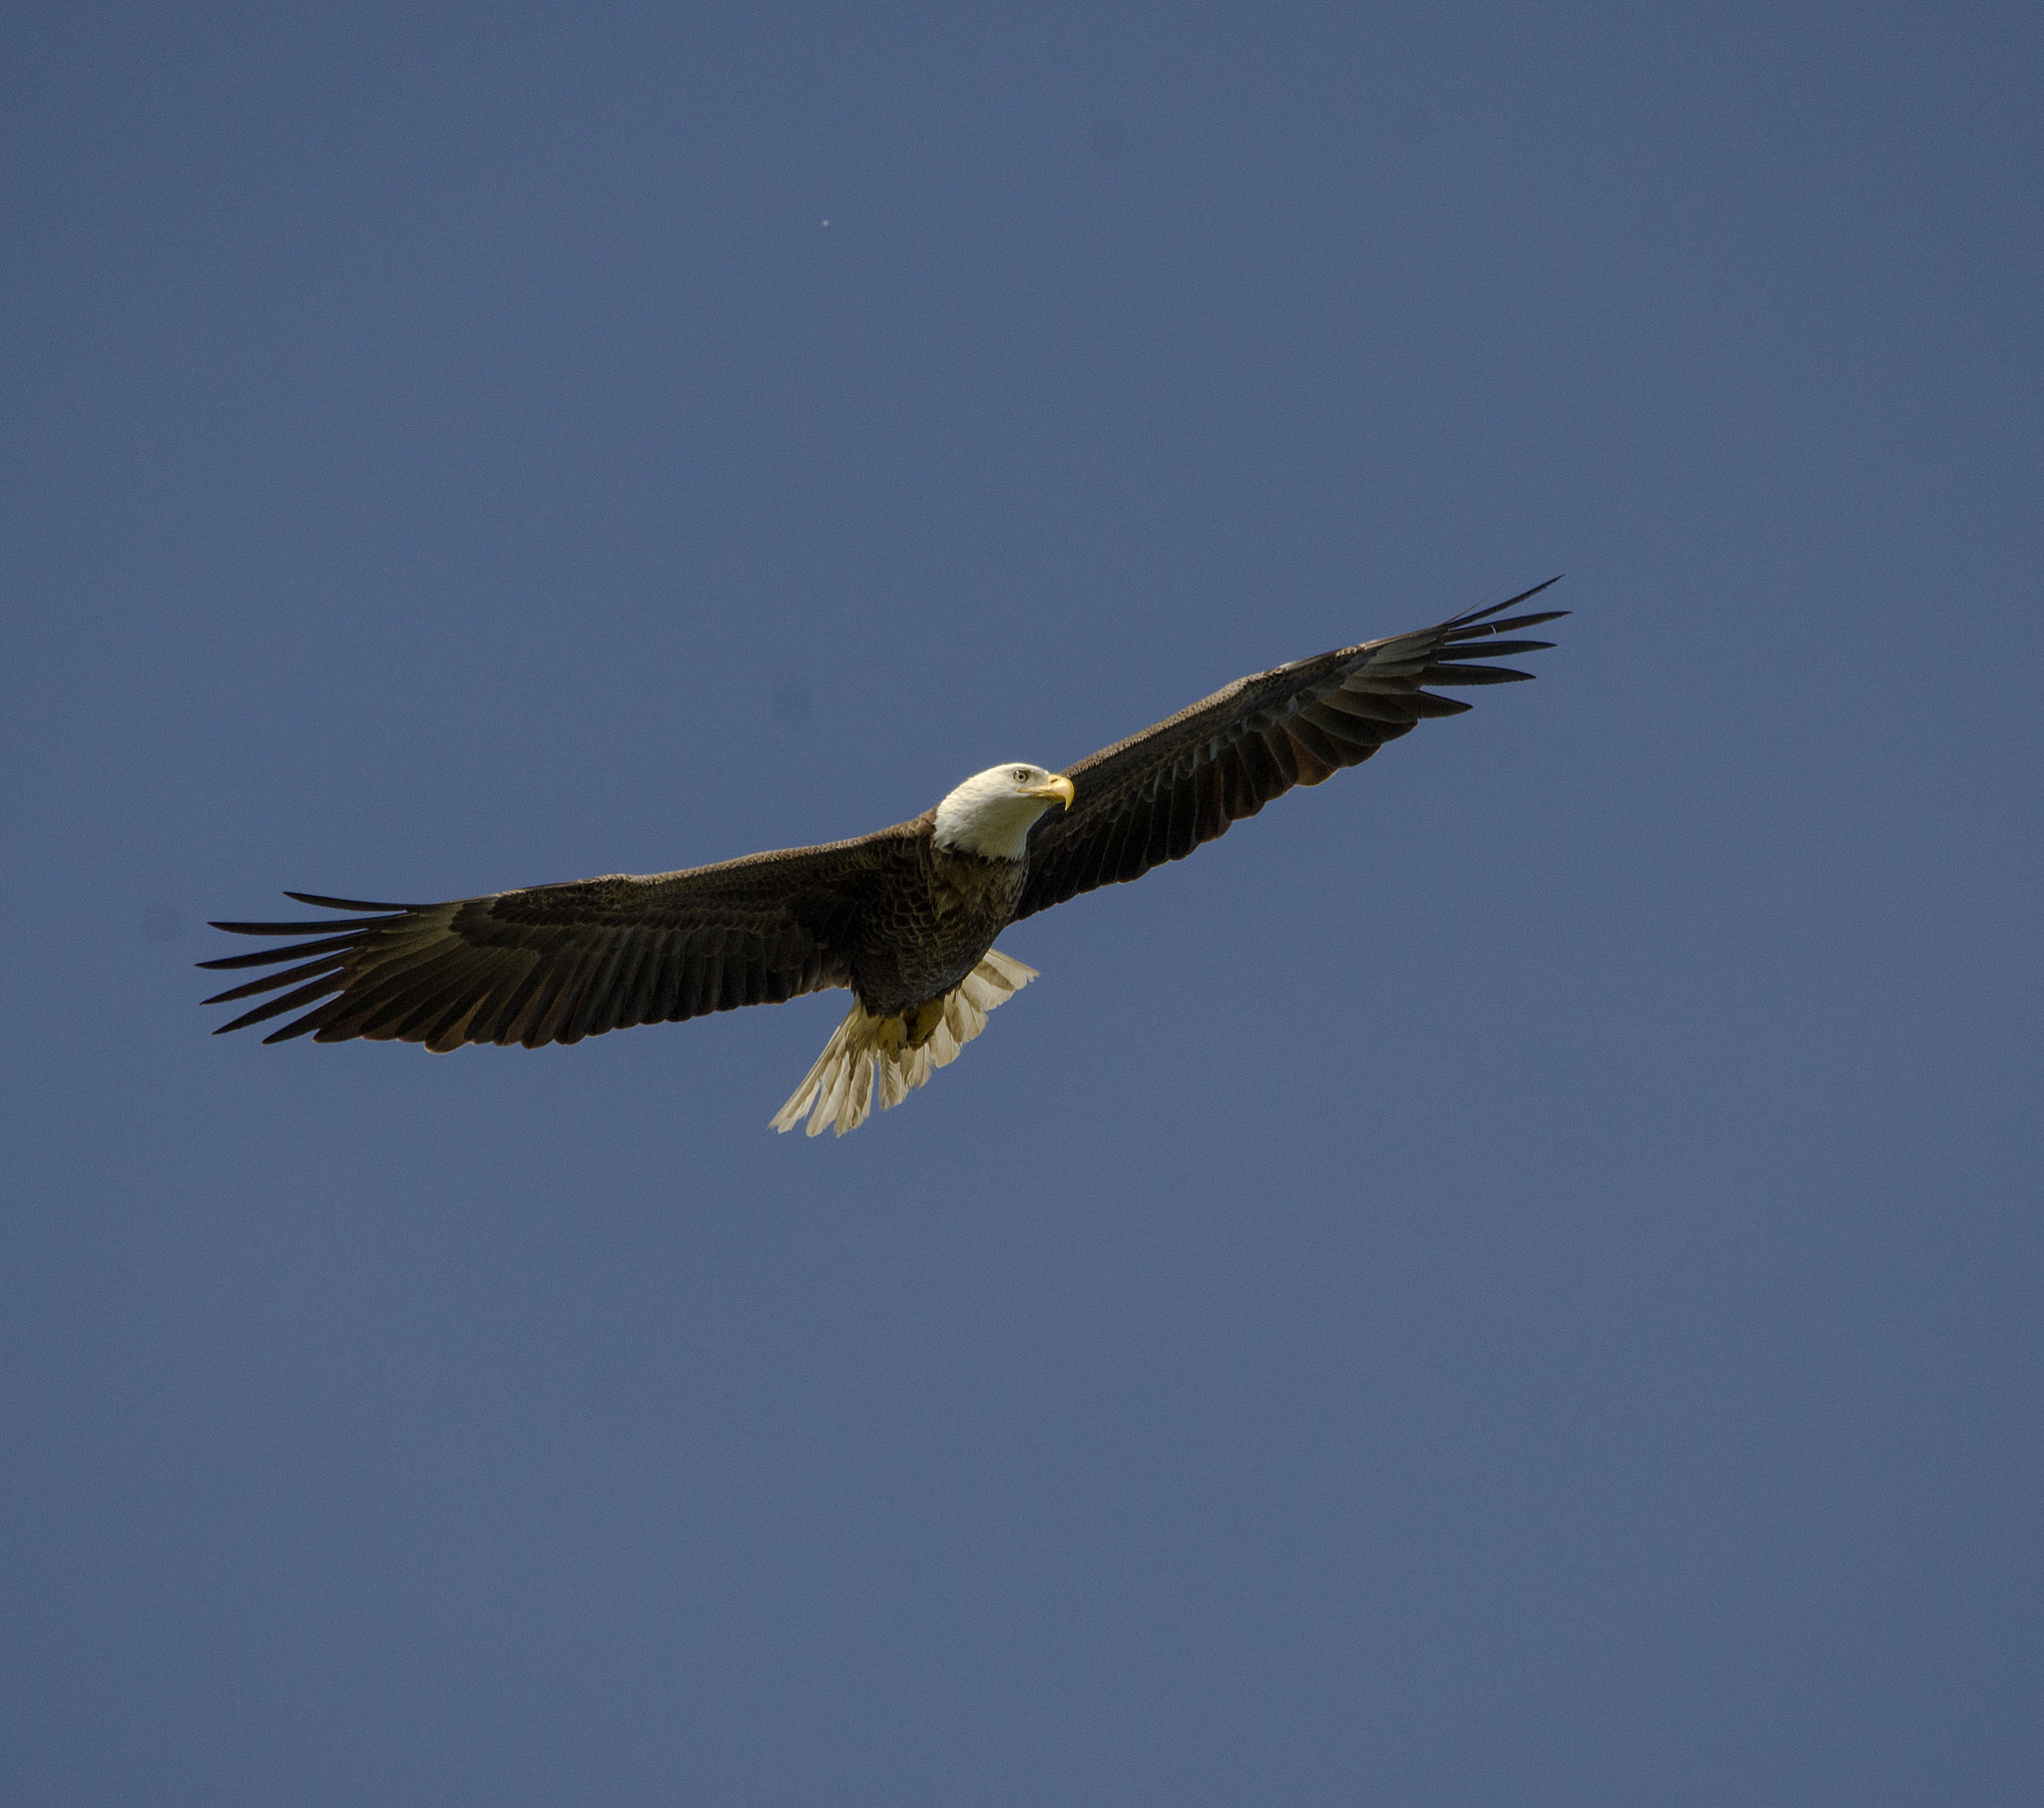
905	917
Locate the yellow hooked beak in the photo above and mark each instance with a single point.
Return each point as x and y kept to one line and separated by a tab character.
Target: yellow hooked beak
1059	787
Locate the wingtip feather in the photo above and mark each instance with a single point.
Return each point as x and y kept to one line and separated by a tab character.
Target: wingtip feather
325	903
1498	608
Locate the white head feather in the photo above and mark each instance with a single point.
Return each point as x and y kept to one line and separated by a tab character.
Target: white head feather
992	813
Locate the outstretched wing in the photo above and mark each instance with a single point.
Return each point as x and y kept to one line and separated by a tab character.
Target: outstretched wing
556	963
1157	795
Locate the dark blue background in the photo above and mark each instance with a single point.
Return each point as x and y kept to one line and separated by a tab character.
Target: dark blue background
1514	1277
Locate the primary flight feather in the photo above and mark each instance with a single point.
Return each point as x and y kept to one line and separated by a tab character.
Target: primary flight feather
905	917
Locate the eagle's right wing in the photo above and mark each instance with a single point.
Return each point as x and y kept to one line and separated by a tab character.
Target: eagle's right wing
556	963
1157	795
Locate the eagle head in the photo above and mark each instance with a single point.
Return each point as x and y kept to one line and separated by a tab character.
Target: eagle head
992	813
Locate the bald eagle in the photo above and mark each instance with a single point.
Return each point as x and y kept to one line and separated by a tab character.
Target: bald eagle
905	917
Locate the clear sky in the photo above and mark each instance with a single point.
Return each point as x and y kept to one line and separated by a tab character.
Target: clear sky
1514	1277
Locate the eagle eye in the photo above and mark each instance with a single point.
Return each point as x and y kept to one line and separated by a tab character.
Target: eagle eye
1021	774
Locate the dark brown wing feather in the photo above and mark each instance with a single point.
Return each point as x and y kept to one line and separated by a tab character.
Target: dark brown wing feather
1157	795
556	963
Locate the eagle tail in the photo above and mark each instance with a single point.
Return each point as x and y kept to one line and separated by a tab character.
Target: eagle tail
838	1091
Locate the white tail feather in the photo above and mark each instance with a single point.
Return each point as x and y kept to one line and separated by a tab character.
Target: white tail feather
838	1091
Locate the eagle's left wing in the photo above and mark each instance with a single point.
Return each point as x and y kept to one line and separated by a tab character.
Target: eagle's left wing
1157	795
556	963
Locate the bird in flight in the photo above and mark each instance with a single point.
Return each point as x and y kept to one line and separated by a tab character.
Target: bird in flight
905	917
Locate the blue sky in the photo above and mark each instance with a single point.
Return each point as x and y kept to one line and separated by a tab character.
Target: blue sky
1514	1276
